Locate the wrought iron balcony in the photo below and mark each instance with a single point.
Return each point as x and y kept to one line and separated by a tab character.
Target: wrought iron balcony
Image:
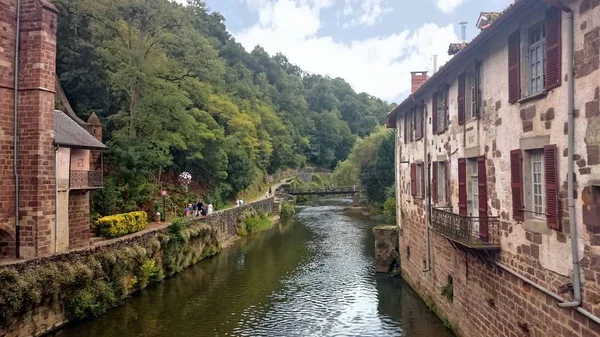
472	232
86	179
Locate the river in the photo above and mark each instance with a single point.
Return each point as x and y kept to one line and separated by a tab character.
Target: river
313	276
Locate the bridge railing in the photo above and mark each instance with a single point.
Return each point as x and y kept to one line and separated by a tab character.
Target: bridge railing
323	190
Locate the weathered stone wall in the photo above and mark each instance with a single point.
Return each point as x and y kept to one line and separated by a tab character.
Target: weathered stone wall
386	247
487	300
79	218
152	244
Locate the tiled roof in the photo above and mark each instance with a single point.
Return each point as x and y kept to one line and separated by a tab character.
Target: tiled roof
70	134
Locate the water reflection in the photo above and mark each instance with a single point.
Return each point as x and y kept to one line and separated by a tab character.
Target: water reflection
310	277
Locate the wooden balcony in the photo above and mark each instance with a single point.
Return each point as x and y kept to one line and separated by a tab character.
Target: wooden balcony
479	233
86	180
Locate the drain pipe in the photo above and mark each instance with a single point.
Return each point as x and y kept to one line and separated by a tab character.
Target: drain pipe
16	131
570	154
427	192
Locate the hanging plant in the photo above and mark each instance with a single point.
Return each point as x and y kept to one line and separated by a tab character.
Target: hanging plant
185	178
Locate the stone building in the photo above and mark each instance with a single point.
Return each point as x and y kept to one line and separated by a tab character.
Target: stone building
495	236
46	167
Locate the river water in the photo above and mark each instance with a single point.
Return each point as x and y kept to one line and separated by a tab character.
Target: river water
313	276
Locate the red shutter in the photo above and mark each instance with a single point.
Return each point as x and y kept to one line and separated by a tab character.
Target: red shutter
434	112
434	182
553	47
516	182
422	181
514	67
462	186
461	99
483	199
413	180
551	174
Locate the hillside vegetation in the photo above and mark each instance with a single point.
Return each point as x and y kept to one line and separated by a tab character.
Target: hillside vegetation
176	92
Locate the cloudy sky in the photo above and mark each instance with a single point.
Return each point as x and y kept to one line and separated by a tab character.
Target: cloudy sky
373	44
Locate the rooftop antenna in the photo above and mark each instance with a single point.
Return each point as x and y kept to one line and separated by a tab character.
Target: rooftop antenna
464	31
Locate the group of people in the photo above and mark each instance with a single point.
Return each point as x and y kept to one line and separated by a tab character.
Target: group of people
198	209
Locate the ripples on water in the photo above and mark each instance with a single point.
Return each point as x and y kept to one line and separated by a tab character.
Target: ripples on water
313	277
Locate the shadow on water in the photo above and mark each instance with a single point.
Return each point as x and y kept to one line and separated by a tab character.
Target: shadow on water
313	276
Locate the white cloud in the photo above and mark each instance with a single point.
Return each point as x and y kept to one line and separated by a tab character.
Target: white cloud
367	14
379	66
448	6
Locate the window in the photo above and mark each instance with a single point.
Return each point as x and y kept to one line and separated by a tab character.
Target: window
418	121
468	95
419	181
535	184
439	107
537	58
408	127
441	182
473	197
474	105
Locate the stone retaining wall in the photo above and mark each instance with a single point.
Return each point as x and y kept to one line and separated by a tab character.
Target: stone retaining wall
154	245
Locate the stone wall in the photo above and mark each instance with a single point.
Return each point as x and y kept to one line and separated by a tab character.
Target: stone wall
386	248
122	258
79	218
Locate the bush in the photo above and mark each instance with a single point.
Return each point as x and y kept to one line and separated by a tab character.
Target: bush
287	211
117	225
389	210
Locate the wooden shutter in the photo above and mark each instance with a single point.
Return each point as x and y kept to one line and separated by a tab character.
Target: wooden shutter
551	174
462	186
447	182
422	181
483	199
514	67
434	182
461	99
413	180
553	47
516	182
478	89
434	112
405	119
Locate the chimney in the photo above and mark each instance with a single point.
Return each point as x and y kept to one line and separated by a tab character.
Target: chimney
434	64
463	26
417	79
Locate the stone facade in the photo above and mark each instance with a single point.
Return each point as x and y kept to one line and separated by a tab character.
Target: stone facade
79	218
487	299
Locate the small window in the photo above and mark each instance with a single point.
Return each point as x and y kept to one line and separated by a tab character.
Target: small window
473	197
441	111
535	184
537	58
418	118
441	184
419	181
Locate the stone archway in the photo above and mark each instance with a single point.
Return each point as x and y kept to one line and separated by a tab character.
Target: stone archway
7	245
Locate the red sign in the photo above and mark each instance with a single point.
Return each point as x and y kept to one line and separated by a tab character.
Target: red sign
163	193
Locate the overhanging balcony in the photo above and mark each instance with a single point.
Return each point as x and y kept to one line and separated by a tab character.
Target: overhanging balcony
86	180
480	233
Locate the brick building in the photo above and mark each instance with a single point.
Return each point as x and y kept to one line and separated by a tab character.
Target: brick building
51	147
492	235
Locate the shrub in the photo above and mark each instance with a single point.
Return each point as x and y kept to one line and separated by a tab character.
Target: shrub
287	210
258	223
117	225
389	210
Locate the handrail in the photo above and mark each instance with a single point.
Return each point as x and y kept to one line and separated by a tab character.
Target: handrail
468	230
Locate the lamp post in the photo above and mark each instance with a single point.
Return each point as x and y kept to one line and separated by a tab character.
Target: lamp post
164	196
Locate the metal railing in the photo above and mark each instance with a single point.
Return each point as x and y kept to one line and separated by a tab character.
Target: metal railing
86	179
467	230
323	190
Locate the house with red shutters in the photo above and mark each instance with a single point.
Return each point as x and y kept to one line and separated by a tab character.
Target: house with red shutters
50	160
498	175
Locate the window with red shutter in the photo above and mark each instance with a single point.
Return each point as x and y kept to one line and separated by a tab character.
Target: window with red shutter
434	182
434	112
483	199
553	47
551	175
413	180
462	186
516	182
461	99
514	67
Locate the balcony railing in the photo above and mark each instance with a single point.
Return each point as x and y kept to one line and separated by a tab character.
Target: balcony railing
86	179
469	231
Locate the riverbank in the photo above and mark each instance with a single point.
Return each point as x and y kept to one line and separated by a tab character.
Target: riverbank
43	294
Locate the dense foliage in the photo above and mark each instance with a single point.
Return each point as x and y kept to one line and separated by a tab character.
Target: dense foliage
371	164
176	92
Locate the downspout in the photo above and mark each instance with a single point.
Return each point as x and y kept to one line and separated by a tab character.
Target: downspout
16	131
570	175
427	192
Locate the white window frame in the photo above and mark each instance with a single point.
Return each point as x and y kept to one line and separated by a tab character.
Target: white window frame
419	180
441	170
441	110
474	80
473	174
537	184
536	65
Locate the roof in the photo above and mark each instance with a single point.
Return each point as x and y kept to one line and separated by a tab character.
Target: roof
68	133
472	47
94	120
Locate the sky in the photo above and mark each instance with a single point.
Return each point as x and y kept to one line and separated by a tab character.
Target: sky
372	44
